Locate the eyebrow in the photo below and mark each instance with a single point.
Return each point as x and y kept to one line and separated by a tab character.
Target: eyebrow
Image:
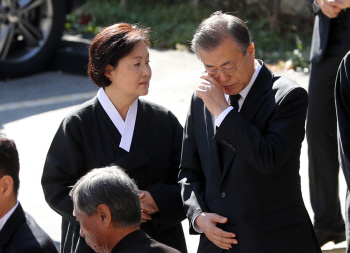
140	57
222	65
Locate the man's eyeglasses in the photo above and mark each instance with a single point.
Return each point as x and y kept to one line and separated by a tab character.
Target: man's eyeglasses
226	71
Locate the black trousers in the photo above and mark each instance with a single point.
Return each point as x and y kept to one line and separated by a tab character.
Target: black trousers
321	132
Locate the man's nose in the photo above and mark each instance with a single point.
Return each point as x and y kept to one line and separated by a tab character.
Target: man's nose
223	77
82	233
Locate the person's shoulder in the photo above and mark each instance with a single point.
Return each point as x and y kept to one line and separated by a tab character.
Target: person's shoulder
81	112
161	248
29	237
283	82
155	110
82	109
283	86
347	60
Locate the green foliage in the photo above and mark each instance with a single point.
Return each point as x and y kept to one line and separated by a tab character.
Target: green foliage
173	23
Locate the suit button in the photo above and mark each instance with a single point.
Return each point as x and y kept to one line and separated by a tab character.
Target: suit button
234	148
223	195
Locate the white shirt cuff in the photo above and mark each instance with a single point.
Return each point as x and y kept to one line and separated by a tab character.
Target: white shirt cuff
222	116
195	227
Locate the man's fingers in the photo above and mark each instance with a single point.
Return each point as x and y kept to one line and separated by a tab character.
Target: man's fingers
223	243
147	208
218	218
145	216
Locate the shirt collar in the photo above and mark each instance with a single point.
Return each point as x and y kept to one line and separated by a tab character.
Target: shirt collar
245	91
7	216
126	129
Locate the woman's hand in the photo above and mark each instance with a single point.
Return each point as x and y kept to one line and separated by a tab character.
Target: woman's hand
148	206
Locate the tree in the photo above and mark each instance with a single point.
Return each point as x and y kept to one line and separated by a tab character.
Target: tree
273	10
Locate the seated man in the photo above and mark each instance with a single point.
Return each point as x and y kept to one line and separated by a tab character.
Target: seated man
107	206
19	233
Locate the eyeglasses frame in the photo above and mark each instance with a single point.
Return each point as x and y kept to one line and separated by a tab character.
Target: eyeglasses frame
217	71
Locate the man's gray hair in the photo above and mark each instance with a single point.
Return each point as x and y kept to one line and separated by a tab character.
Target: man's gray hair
219	26
113	187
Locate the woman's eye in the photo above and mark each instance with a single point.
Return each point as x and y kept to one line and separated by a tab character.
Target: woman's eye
137	64
147	62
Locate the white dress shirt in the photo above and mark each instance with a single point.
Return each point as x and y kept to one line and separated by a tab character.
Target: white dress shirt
7	216
126	129
221	117
243	93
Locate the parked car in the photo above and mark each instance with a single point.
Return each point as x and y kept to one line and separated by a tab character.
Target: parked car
30	31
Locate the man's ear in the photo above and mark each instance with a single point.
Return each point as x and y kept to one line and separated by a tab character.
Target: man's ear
108	71
6	186
104	214
251	50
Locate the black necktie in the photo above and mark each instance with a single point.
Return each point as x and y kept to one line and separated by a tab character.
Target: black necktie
234	101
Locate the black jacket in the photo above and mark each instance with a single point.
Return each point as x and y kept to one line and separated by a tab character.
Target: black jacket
257	187
139	242
21	234
87	139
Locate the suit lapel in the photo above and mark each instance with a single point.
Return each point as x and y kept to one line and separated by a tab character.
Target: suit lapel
10	226
256	95
251	105
212	144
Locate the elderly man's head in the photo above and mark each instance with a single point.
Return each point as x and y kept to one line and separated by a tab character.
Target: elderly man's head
222	42
9	174
106	203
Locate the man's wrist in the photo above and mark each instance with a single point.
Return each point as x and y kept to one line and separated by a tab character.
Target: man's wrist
195	226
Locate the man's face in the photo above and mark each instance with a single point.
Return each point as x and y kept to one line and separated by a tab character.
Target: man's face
226	56
91	229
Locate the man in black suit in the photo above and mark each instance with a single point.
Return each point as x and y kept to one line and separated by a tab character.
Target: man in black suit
240	162
19	232
330	42
342	100
107	206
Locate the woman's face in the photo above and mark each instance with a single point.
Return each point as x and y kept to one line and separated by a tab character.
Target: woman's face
132	75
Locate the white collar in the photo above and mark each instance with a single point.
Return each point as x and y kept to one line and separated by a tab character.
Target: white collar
7	216
126	129
245	91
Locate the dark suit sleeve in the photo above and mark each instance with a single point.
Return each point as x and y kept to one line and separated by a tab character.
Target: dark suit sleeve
342	98
167	194
314	8
62	168
267	151
191	177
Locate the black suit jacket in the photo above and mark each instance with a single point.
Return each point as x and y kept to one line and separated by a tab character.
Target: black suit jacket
139	242
258	186
342	100
21	234
321	33
88	139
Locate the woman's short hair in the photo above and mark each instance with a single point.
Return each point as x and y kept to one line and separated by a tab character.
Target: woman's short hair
109	46
219	26
114	188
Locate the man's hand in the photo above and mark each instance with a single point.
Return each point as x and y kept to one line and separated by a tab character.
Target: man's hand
343	4
148	206
331	8
207	222
212	95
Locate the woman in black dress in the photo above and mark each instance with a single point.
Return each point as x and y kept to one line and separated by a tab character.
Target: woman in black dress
116	127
